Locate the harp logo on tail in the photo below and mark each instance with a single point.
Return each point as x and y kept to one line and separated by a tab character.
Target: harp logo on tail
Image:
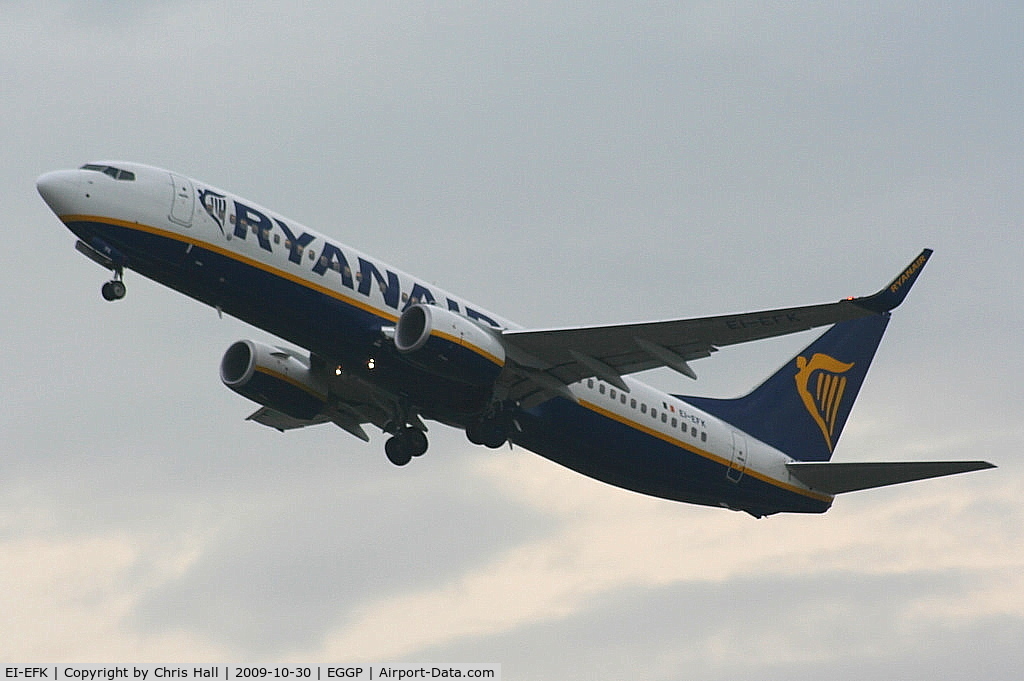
821	383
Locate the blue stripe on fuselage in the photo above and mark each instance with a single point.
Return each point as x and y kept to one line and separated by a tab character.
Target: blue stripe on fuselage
327	323
613	451
333	325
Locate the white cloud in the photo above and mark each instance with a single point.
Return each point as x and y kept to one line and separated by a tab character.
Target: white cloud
608	542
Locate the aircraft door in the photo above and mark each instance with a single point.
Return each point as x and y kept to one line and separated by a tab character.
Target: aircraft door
182	201
738	463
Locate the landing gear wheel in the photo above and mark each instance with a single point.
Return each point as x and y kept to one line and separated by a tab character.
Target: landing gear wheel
489	433
113	290
417	440
404	445
396	452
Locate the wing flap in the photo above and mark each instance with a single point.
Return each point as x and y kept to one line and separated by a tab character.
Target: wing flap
836	478
280	421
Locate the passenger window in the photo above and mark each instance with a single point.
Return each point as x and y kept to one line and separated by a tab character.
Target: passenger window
590	383
277	238
664	417
654	413
312	255
693	431
601	389
673	421
632	403
612	393
703	437
623	397
643	408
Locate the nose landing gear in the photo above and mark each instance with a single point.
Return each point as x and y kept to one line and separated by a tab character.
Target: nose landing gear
105	256
114	289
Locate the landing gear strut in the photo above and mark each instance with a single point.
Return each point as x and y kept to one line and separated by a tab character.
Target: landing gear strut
114	289
404	445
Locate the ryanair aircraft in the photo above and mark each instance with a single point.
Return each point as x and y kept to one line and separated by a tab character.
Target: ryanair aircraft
384	349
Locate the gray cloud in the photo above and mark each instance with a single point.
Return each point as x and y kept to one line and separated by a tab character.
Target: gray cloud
841	625
561	166
296	564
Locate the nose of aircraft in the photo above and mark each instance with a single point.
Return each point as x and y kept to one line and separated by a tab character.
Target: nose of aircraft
59	190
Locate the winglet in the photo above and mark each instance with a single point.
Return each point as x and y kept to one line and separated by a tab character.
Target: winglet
893	294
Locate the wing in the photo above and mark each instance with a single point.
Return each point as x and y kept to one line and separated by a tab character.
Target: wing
547	360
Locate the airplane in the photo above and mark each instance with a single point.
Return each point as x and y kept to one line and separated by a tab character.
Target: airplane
382	348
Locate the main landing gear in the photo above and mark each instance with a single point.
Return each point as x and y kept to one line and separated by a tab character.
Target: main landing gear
114	289
491	433
494	428
405	444
409	440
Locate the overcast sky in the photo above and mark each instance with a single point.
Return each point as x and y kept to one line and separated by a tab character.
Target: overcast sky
559	166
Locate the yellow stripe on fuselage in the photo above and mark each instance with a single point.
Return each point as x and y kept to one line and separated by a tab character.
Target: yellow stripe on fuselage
701	452
234	256
270	269
354	302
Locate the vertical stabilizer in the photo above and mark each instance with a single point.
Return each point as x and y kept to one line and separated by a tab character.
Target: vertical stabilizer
802	408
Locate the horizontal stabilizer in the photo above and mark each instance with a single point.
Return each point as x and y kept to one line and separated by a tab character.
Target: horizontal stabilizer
836	478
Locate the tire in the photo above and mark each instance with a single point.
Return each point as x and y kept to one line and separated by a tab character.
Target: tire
113	290
397	451
416	441
488	433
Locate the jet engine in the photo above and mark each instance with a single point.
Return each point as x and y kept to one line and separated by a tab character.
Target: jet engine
274	377
450	345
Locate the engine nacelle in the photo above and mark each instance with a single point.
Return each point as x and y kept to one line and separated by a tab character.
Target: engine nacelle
447	344
275	378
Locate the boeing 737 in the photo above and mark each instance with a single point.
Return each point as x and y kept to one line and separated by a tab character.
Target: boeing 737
382	348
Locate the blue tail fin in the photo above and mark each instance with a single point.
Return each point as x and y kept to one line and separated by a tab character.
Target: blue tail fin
802	408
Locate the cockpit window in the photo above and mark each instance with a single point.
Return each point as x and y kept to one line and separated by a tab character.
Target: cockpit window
115	173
